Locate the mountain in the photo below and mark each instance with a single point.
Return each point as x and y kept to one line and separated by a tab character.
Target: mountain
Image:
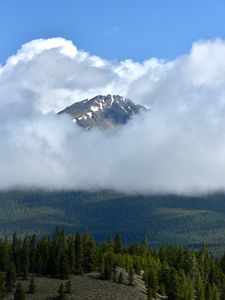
108	111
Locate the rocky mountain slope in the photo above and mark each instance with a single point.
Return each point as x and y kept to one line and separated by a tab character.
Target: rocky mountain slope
103	111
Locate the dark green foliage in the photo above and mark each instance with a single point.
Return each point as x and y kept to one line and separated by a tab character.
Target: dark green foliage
121	279
25	258
131	276
164	219
10	277
78	254
108	267
89	253
68	288
172	271
61	292
151	280
2	287
114	272
19	293
32	286
117	245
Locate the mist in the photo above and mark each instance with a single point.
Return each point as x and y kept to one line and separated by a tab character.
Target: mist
177	147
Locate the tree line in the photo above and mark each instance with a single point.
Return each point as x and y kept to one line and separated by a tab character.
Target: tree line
172	271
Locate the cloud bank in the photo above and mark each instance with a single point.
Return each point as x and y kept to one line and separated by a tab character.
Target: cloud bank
179	147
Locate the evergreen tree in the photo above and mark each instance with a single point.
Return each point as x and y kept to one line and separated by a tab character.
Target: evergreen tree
32	286
33	253
5	255
61	292
64	267
68	287
114	273
131	277
16	253
209	292
2	287
19	293
151	283
71	255
215	292
144	246
117	245
121	279
108	267
199	287
78	254
10	278
89	256
25	258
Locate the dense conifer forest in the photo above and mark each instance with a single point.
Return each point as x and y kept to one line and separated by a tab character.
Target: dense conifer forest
188	221
171	271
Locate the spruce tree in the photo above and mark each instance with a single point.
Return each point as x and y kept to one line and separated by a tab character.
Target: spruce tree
215	292
199	287
144	246
32	286
64	267
78	254
117	245
71	255
108	267
131	277
2	287
10	278
114	273
68	289
151	284
16	253
89	256
121	279
19	293
33	253
61	292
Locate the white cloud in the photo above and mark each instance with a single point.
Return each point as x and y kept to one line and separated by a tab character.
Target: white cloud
178	147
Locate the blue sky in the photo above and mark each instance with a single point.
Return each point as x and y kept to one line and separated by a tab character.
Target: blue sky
113	29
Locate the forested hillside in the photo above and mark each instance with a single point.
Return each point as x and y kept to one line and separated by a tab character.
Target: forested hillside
171	272
188	221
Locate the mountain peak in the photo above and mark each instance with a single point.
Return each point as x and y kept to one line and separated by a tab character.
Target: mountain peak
105	111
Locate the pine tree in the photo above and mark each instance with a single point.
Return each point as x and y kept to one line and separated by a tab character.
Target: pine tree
2	287
89	256
68	287
209	292
151	283
117	245
199	287
19	293
131	277
32	286
78	254
61	292
64	267
144	246
114	273
5	255
215	292
108	267
16	253
121	279
33	253
25	258
71	255
10	278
